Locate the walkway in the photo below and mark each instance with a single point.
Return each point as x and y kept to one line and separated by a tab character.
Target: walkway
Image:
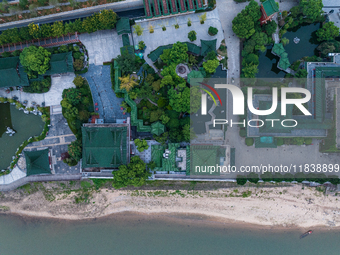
38	178
108	106
46	42
102	46
50	98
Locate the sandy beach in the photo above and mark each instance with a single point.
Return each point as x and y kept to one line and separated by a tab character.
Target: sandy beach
289	207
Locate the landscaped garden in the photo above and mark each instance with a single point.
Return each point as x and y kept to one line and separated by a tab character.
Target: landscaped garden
26	9
302	22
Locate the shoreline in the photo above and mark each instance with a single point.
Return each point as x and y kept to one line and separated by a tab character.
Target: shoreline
284	208
197	219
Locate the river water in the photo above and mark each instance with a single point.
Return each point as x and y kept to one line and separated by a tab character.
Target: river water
132	234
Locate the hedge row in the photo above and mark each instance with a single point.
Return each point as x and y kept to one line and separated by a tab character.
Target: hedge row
106	19
288	177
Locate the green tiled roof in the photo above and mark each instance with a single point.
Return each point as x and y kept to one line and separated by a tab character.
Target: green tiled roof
193	48
169	164
154	55
126	40
270	7
208	46
123	26
277	128
12	73
204	156
157	128
61	63
37	162
278	49
284	63
157	151
104	146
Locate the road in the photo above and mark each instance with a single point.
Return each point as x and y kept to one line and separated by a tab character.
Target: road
76	14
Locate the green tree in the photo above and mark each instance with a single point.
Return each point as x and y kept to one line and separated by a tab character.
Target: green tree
78	81
151	165
211	55
285	41
211	65
188	133
302	73
35	60
73	95
245	21
127	63
58	29
260	39
142	145
328	32
138	29
75	150
127	82
192	35
250	59
248	48
46	30
212	31
195	99
23	3
134	173
241	180
311	8
71	113
107	19
167	80
249	71
178	53
34	30
164	118
179	100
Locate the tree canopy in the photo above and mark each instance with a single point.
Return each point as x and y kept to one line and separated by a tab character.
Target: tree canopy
180	100
311	8
142	145
127	63
245	21
211	65
328	32
35	60
133	174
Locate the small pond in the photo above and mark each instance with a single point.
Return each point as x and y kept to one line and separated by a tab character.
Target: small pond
306	47
25	125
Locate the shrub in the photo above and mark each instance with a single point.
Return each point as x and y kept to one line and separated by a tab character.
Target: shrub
211	55
308	141
176	26
77	55
78	64
203	18
63	48
253	177
141	45
6	54
138	29
243	132
78	81
249	141
189	22
192	35
241	180
212	31
279	141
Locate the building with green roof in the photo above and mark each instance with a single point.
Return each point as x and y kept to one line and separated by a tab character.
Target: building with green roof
37	162
208	46
268	9
157	128
12	73
284	63
105	146
278	49
61	63
123	26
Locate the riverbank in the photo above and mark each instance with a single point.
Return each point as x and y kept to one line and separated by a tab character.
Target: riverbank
280	207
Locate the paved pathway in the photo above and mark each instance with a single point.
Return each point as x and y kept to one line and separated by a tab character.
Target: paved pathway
108	104
172	35
38	178
102	46
51	98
